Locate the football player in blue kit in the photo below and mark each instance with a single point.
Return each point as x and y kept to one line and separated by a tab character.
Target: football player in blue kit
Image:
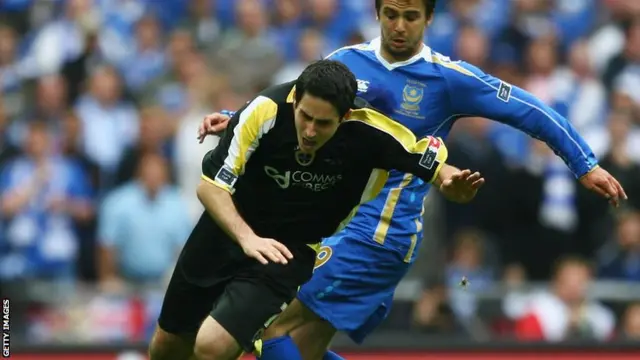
359	267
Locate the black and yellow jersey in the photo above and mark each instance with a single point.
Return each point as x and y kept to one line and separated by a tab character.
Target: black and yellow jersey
293	197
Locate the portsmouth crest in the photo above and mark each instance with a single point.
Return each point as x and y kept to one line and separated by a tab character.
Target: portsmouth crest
412	96
303	158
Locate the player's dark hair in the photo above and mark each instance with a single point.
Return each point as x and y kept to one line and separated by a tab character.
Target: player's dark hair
429	6
331	81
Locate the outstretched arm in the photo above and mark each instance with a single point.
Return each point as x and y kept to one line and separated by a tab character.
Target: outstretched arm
474	93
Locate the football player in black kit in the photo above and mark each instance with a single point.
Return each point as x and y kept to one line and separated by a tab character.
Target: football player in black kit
291	166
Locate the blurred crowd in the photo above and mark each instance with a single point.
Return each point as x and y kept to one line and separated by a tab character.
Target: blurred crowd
100	102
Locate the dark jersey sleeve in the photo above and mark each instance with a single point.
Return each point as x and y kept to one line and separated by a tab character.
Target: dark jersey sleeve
394	147
226	163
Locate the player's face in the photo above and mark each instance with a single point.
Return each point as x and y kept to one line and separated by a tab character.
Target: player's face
316	122
402	25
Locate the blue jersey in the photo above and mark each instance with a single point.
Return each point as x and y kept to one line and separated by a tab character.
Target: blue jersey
427	94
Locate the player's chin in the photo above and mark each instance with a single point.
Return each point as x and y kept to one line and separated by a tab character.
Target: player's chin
400	50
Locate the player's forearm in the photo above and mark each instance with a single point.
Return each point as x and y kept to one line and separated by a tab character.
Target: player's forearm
221	208
541	122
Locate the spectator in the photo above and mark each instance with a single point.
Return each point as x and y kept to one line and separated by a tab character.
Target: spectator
147	60
579	95
154	127
619	147
564	312
544	218
620	258
43	196
432	313
628	57
109	123
12	74
631	322
251	42
332	19
146	216
309	50
287	23
63	39
70	147
529	21
189	153
7	150
49	106
472	46
468	261
169	90
471	146
202	25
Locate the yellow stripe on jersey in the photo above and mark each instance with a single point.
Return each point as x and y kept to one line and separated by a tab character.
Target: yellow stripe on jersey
216	183
451	65
251	127
255	121
377	180
383	123
414	238
408	140
388	209
394	194
291	95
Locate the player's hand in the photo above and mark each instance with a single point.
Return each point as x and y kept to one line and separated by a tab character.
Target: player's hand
265	250
211	125
462	186
600	181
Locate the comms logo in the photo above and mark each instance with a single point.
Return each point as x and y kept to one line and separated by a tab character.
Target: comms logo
302	179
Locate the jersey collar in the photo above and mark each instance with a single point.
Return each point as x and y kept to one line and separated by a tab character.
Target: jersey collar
425	53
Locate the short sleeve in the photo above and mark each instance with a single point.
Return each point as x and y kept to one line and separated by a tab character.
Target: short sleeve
396	148
226	163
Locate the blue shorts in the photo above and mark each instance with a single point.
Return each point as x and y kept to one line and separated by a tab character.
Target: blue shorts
353	283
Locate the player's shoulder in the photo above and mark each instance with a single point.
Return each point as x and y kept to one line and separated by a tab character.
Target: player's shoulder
364	119
267	103
278	94
448	67
362	48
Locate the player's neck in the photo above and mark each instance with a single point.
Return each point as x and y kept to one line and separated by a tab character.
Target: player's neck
395	59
